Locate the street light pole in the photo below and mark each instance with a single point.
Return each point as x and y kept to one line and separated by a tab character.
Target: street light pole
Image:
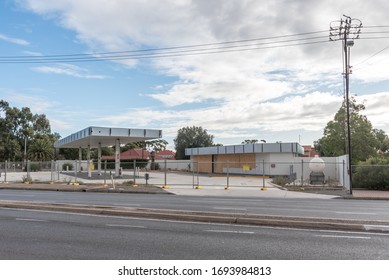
347	30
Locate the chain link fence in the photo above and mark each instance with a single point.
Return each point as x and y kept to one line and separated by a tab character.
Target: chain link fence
196	173
172	172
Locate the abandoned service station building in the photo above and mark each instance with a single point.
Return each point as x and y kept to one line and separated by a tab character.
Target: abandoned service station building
98	137
246	159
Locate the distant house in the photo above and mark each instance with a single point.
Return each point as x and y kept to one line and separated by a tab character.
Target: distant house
309	151
143	154
166	154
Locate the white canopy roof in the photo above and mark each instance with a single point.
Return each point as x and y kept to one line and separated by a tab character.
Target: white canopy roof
106	136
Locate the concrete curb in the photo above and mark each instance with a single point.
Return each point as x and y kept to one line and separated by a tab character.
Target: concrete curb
208	217
84	188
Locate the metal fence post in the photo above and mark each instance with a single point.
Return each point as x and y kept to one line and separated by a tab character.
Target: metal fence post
105	173
165	173
28	169
193	176
75	171
5	172
58	170
263	172
52	171
228	174
134	165
198	174
302	172
344	175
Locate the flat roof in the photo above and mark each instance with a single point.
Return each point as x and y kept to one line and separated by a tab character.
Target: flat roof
295	148
106	136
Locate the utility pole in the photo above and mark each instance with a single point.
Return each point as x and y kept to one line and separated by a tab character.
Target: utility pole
346	30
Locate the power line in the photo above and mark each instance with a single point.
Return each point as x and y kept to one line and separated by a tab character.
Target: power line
161	55
281	41
210	48
370	57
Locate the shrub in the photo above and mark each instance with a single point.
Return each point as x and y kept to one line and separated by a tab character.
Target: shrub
34	167
125	164
67	166
372	174
280	181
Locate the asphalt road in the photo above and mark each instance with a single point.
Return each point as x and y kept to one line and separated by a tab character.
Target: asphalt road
50	235
328	208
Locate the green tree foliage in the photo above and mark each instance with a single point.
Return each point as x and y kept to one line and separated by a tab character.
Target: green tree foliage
372	174
41	150
250	141
382	141
365	141
153	145
19	127
191	137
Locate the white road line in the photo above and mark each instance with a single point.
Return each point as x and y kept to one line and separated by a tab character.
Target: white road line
228	208
125	226
229	231
30	220
232	200
356	213
343	236
21	195
377	227
128	205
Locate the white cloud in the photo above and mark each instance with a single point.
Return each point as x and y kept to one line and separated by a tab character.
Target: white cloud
14	40
37	104
30	53
274	89
68	70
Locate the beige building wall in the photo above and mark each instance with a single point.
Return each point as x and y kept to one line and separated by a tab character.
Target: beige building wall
221	162
202	163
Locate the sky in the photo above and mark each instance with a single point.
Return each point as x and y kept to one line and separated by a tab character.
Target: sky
242	69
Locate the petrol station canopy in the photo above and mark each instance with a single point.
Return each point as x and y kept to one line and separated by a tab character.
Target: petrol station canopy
95	136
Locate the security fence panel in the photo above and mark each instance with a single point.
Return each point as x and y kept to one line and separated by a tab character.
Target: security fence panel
221	170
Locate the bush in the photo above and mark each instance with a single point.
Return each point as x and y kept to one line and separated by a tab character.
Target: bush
67	166
372	174
125	164
34	167
280	181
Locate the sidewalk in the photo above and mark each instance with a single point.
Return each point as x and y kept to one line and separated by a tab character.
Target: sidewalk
370	194
240	191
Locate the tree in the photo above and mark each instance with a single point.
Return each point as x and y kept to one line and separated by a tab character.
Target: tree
364	142
21	126
41	150
248	141
382	141
153	145
191	137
